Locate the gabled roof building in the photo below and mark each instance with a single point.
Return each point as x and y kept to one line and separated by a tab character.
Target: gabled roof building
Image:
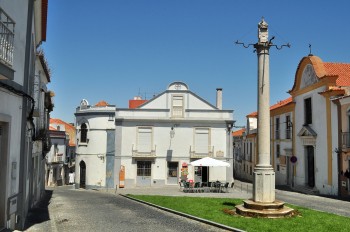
156	141
152	142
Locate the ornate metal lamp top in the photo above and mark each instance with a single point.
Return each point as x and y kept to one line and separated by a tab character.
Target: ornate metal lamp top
263	36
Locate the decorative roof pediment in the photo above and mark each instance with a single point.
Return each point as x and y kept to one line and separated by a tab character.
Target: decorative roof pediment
307	136
178	85
307	131
313	73
309	72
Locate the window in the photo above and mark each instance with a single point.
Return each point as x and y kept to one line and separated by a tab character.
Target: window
144	168
278	168
110	117
201	141
55	148
278	150
177	106
251	152
83	133
173	170
308	111
288	127
277	130
36	93
144	139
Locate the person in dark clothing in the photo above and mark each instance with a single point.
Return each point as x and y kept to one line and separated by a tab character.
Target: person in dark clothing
347	173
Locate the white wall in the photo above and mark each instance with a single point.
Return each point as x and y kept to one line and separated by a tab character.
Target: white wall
93	153
319	125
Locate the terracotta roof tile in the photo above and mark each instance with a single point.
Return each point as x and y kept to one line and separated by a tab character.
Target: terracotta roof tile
102	103
136	103
238	132
326	69
275	106
281	103
69	129
52	128
341	70
253	115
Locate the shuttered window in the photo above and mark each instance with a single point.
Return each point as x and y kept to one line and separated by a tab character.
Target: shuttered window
177	110
144	142
201	140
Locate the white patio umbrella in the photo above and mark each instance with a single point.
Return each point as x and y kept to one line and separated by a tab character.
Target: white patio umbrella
210	162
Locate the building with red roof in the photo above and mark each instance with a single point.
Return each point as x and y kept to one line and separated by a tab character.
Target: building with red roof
61	158
310	148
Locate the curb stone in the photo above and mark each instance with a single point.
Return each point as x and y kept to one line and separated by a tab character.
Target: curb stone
186	215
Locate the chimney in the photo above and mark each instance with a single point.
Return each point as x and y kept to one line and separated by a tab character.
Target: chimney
219	98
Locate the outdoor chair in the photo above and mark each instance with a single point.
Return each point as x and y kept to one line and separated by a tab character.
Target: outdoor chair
197	187
226	187
186	188
212	186
217	186
182	186
232	184
204	187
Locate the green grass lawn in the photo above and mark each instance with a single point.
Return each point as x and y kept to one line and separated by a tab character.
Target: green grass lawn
213	209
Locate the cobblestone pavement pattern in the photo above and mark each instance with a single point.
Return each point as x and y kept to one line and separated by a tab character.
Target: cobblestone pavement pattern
89	210
105	210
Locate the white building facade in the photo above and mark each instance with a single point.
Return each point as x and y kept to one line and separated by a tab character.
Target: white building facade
316	122
156	141
282	114
95	161
56	158
23	139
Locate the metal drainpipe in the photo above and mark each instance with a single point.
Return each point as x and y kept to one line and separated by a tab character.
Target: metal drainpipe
22	163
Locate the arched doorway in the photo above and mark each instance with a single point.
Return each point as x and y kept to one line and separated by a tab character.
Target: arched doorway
82	174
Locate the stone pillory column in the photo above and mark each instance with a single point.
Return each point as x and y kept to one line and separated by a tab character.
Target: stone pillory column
263	203
264	176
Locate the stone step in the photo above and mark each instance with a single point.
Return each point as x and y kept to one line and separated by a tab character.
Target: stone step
274	212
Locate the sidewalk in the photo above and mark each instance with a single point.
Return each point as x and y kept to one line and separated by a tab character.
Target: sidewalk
243	190
174	190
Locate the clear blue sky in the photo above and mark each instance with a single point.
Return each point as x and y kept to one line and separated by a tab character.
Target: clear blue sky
114	50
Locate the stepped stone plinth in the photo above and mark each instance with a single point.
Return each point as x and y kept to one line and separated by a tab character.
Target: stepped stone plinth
275	209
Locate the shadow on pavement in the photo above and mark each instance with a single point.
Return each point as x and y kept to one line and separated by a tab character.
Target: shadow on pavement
40	212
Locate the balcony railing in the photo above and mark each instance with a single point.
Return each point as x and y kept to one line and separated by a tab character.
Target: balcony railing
7	34
201	153
143	154
346	139
58	158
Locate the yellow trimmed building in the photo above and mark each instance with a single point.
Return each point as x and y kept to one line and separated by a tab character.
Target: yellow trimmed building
310	131
317	125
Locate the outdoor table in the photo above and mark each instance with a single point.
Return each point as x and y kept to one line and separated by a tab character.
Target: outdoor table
217	186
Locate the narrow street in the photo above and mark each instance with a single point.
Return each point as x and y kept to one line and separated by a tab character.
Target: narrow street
89	210
68	209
